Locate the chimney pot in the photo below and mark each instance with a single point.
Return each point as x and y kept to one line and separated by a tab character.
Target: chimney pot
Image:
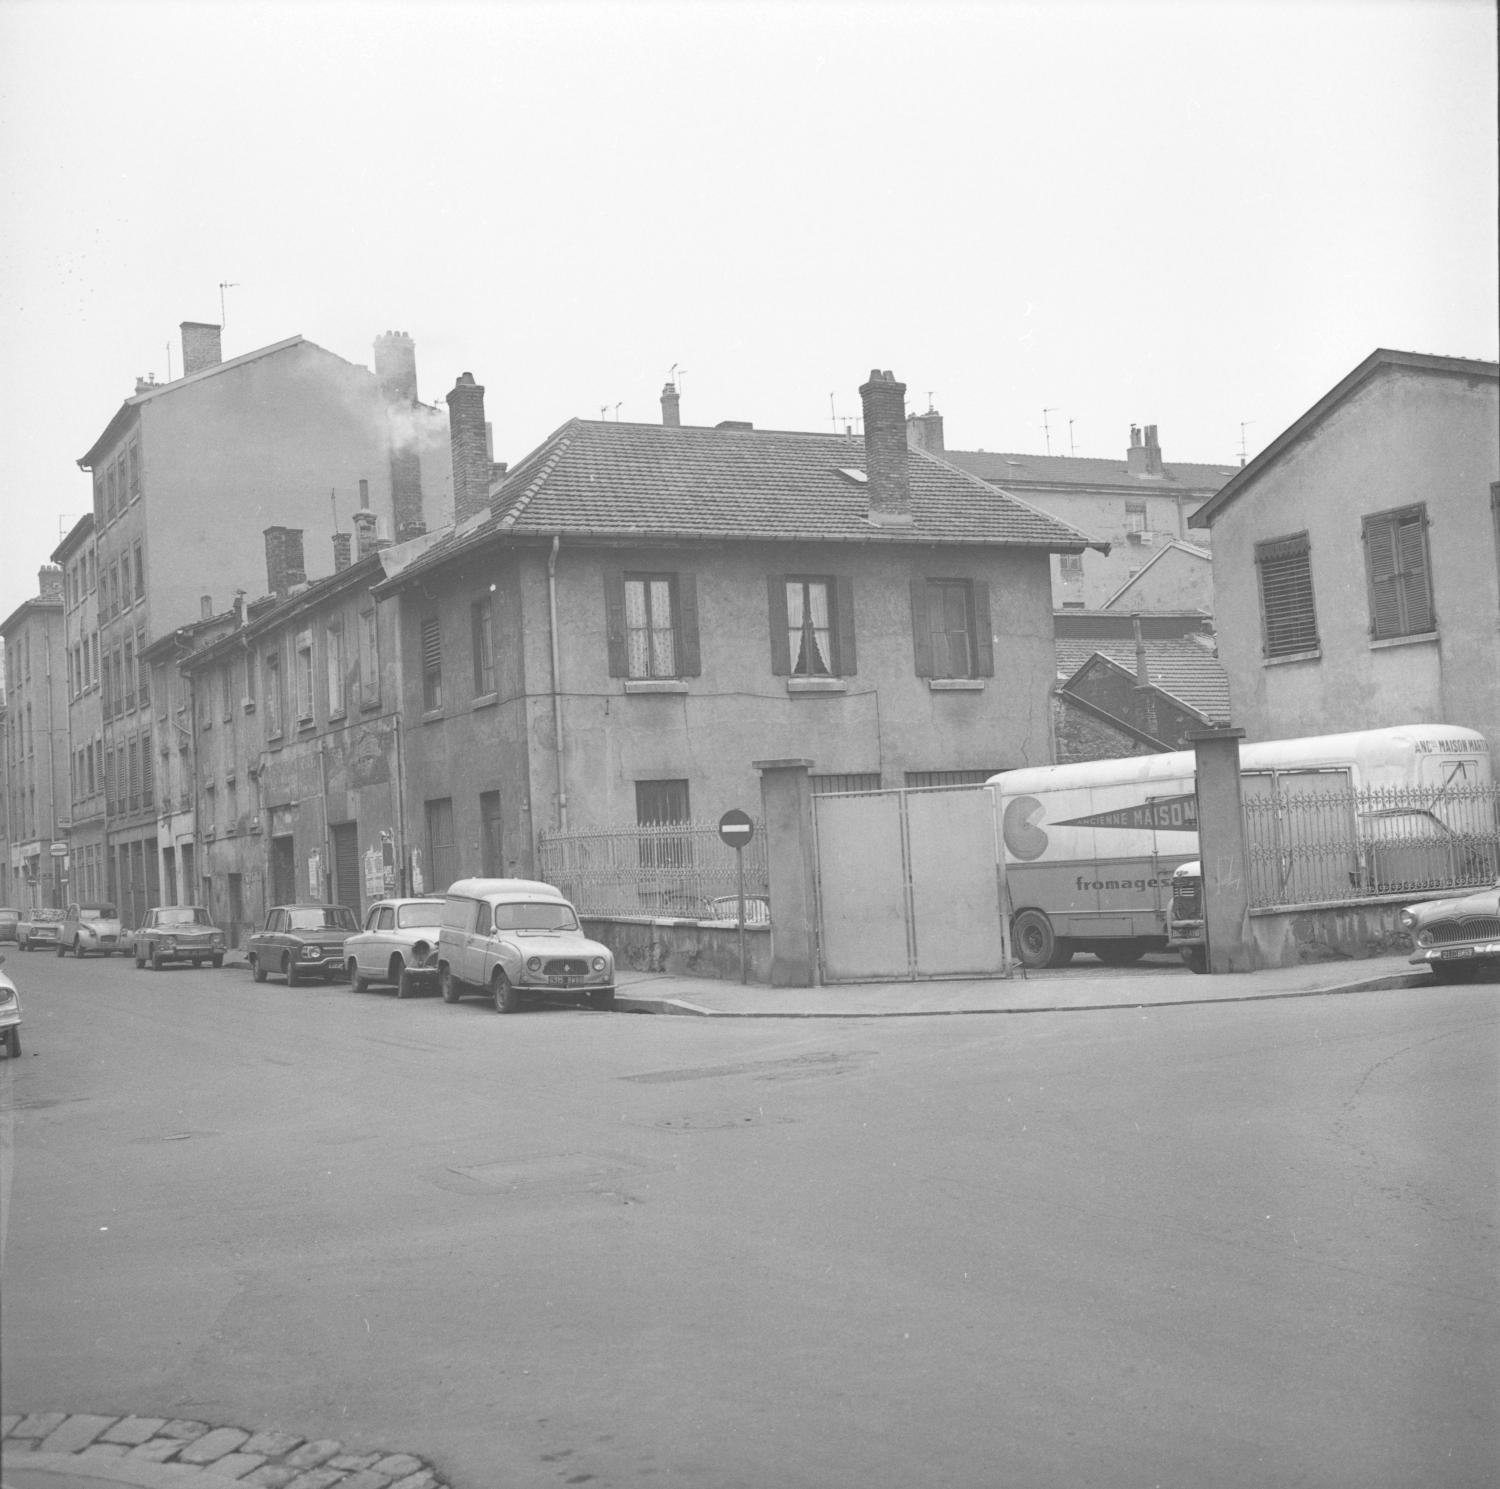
200	346
49	581
396	367
342	544
1144	456
469	441
925	431
671	401
364	532
887	478
285	567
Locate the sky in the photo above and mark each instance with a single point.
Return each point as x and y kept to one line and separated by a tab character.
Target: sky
1051	221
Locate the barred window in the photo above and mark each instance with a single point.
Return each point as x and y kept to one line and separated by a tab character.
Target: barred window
1288	619
1400	579
481	620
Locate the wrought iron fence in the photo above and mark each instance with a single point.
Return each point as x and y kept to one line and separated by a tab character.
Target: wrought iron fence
681	869
1306	847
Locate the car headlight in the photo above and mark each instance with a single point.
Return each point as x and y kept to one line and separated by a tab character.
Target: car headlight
1424	938
7	997
168	942
599	964
534	965
1408	919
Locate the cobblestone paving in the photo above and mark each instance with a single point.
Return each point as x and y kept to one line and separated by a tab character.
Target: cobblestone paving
272	1460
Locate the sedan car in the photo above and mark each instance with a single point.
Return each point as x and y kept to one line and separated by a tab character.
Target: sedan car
92	929
398	945
9	920
10	1016
178	933
39	928
301	942
1456	938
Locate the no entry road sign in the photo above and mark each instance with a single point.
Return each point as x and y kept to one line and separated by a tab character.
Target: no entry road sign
736	828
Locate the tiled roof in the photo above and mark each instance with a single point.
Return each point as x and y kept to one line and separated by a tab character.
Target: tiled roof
1079	470
601	479
1183	668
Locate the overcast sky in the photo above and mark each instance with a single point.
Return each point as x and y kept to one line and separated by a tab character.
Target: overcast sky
1195	214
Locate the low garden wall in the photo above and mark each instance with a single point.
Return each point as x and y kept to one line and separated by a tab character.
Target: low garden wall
684	948
1286	936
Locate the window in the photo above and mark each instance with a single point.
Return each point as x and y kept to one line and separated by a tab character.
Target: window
127	668
226	692
951	628
99	498
140	572
480	622
432	664
653	625
148	780
490	862
109	493
135	470
333	646
369	658
1495	520
1135	517
831	785
1400	580
924	779
1071	565
812	626
143	669
441	862
272	674
1288	620
304	677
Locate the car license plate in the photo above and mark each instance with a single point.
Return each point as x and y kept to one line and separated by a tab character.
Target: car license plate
556	981
1455	953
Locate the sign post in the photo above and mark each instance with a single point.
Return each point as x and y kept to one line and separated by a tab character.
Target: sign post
736	829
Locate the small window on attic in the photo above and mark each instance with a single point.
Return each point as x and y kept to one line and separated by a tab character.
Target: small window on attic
857	476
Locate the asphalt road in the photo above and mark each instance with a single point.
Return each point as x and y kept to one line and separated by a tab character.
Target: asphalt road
1252	1243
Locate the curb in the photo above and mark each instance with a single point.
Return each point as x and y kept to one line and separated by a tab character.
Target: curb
162	1453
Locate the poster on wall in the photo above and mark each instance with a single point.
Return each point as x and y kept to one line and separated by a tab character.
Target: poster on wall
374	874
315	875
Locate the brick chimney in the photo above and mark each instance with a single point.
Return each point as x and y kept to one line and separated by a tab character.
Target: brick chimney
1144	456
887	478
365	541
284	563
396	367
342	546
200	347
49	582
205	607
925	431
470	444
670	401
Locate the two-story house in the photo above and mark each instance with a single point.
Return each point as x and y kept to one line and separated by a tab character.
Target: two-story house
1357	557
636	613
186	477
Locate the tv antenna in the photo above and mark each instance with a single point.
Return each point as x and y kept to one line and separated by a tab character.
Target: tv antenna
676	375
1072	449
1244	425
224	284
1046	429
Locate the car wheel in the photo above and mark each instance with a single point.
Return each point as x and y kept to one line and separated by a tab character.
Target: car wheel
450	987
1452	971
156	961
1119	953
502	993
217	961
1037	945
13	1042
1196	958
256	970
140	961
605	999
78	948
289	970
359	982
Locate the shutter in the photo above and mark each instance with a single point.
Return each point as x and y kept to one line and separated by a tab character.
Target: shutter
1411	559
432	645
689	662
984	639
781	645
1286	593
845	658
614	617
1385	583
921	634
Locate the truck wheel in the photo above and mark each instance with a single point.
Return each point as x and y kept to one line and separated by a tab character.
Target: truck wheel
449	985
156	961
1036	943
504	996
1196	958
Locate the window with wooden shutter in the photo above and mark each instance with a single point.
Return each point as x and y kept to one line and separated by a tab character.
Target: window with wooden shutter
1400	580
432	664
1288	618
947	639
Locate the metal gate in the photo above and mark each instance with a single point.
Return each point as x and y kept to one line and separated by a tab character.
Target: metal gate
346	876
908	885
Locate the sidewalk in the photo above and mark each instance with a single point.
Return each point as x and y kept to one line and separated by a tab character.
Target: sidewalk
1154	982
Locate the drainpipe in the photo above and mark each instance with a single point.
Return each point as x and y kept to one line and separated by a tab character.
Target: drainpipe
403	869
557	730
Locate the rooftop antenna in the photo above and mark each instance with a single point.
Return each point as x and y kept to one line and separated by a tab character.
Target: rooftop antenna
224	284
333	493
1046	430
1072	448
617	413
169	361
676	376
1244	425
930	408
833	412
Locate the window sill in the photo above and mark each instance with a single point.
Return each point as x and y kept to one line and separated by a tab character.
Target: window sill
433	716
485	700
1315	655
1417	638
956	684
816	685
369	705
655	685
338	716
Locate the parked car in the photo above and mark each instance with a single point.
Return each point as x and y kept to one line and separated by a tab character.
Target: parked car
178	933
1457	938
39	928
9	920
724	909
10	1015
398	945
88	929
301	942
509	939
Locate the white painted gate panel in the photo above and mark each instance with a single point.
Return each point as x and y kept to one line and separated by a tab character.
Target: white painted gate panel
908	886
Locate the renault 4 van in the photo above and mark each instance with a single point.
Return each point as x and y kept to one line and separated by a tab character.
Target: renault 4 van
512	939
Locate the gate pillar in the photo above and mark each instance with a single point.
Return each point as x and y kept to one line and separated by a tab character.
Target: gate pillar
1221	848
786	806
